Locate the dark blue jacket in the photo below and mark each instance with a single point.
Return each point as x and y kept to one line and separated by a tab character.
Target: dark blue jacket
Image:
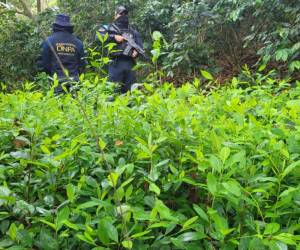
68	49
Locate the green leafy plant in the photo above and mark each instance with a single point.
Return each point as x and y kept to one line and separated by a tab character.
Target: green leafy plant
167	168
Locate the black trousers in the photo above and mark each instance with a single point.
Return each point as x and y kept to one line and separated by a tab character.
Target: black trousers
120	71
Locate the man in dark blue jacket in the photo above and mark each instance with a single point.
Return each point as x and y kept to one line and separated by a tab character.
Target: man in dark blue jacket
121	67
63	54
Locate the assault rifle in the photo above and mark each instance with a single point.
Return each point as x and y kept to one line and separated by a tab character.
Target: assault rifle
131	44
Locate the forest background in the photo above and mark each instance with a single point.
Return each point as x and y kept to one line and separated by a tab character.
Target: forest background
221	36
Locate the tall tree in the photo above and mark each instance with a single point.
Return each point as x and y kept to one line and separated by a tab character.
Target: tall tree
41	5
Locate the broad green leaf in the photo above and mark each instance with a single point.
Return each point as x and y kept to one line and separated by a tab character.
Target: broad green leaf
238	157
52	225
221	223
232	187
200	212
46	240
262	67
164	162
125	183
277	245
128	192
99	36
62	216
215	163
154	188
88	204
206	75
24	237
191	236
127	244
123	209
119	194
12	231
107	230
211	183
71	192
178	243
189	222
45	150
290	168
159	224
235	82
113	178
87	235
289	191
282	55
224	154
295	65
271	228
71	225
102	144
286	238
85	239
137	235
163	210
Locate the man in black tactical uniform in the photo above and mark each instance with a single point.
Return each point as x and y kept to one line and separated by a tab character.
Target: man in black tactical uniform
62	51
121	67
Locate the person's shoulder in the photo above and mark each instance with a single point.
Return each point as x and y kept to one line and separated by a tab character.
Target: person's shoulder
49	39
78	41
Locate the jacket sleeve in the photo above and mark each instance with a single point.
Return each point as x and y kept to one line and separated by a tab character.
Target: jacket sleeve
103	30
81	58
44	62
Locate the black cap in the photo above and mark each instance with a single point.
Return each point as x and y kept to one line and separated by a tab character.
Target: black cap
63	20
121	10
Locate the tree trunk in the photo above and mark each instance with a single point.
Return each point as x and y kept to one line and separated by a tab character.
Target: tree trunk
41	5
26	9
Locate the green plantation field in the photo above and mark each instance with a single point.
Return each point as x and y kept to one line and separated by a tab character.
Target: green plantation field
162	168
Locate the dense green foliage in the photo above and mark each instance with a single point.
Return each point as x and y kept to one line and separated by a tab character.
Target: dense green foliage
223	34
194	167
217	34
20	41
164	168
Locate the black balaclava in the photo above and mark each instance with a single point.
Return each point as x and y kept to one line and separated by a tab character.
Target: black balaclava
122	22
58	28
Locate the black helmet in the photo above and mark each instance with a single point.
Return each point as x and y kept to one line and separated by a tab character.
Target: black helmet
121	10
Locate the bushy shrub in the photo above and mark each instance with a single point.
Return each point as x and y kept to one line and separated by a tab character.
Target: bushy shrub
164	168
20	41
